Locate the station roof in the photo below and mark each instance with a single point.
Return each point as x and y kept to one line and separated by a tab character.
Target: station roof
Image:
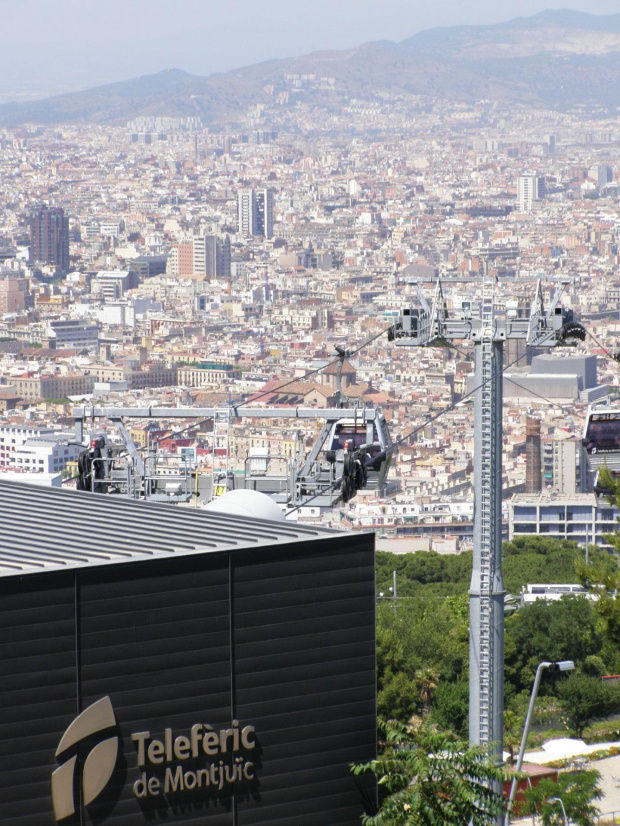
44	529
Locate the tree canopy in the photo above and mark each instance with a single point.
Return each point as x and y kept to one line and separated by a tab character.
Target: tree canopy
425	635
526	559
431	779
576	790
429	631
539	631
584	698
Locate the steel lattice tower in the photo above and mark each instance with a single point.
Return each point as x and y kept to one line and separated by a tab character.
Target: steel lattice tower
431	326
486	606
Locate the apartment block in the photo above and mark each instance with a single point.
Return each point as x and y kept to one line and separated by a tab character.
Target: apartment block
52	387
562	517
200	375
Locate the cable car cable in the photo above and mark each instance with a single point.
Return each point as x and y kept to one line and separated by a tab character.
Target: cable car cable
615	358
197	424
451	407
411	433
312	372
565	407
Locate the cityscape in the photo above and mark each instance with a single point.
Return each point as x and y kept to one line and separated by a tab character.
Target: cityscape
202	310
210	267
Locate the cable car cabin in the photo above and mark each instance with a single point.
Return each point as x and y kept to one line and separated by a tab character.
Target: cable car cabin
601	438
338	442
600	490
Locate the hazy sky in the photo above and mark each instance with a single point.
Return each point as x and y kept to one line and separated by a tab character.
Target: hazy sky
79	43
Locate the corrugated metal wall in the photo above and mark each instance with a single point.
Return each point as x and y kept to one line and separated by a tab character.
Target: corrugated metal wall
37	691
279	638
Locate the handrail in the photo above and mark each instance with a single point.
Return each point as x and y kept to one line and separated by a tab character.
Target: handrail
603	819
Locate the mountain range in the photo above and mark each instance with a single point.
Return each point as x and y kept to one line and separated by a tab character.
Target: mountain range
556	59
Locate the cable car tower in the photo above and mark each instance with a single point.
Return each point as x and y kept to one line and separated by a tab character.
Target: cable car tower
431	326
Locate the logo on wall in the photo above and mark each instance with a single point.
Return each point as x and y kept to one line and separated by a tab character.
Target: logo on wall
98	766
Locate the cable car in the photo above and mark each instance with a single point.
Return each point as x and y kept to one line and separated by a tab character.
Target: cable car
601	438
355	449
372	438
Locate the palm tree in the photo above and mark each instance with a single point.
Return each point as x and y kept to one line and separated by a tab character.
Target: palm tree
513	728
431	779
426	682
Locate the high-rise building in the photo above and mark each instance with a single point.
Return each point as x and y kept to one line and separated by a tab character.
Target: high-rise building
604	176
15	294
530	188
533	475
49	237
204	256
212	256
264	201
200	254
246	207
181	260
222	258
255	212
563	465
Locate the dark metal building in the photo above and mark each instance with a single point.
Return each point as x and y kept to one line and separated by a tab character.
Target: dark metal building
165	664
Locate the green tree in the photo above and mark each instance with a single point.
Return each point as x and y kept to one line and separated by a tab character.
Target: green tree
610	483
564	630
397	696
593	666
513	731
533	558
583	698
458	608
526	559
424	634
577	791
602	576
430	779
424	572
451	709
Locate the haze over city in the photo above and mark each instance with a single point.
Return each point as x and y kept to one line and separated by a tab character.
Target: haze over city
49	48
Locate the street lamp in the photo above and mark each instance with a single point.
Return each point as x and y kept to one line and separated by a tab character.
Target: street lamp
559	800
561	665
392	590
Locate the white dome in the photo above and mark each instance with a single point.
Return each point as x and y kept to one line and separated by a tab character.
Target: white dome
247	503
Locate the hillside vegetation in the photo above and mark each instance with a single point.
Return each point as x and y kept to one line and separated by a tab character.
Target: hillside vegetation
423	645
556	59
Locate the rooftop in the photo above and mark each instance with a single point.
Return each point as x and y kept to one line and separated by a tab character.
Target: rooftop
545	498
45	529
